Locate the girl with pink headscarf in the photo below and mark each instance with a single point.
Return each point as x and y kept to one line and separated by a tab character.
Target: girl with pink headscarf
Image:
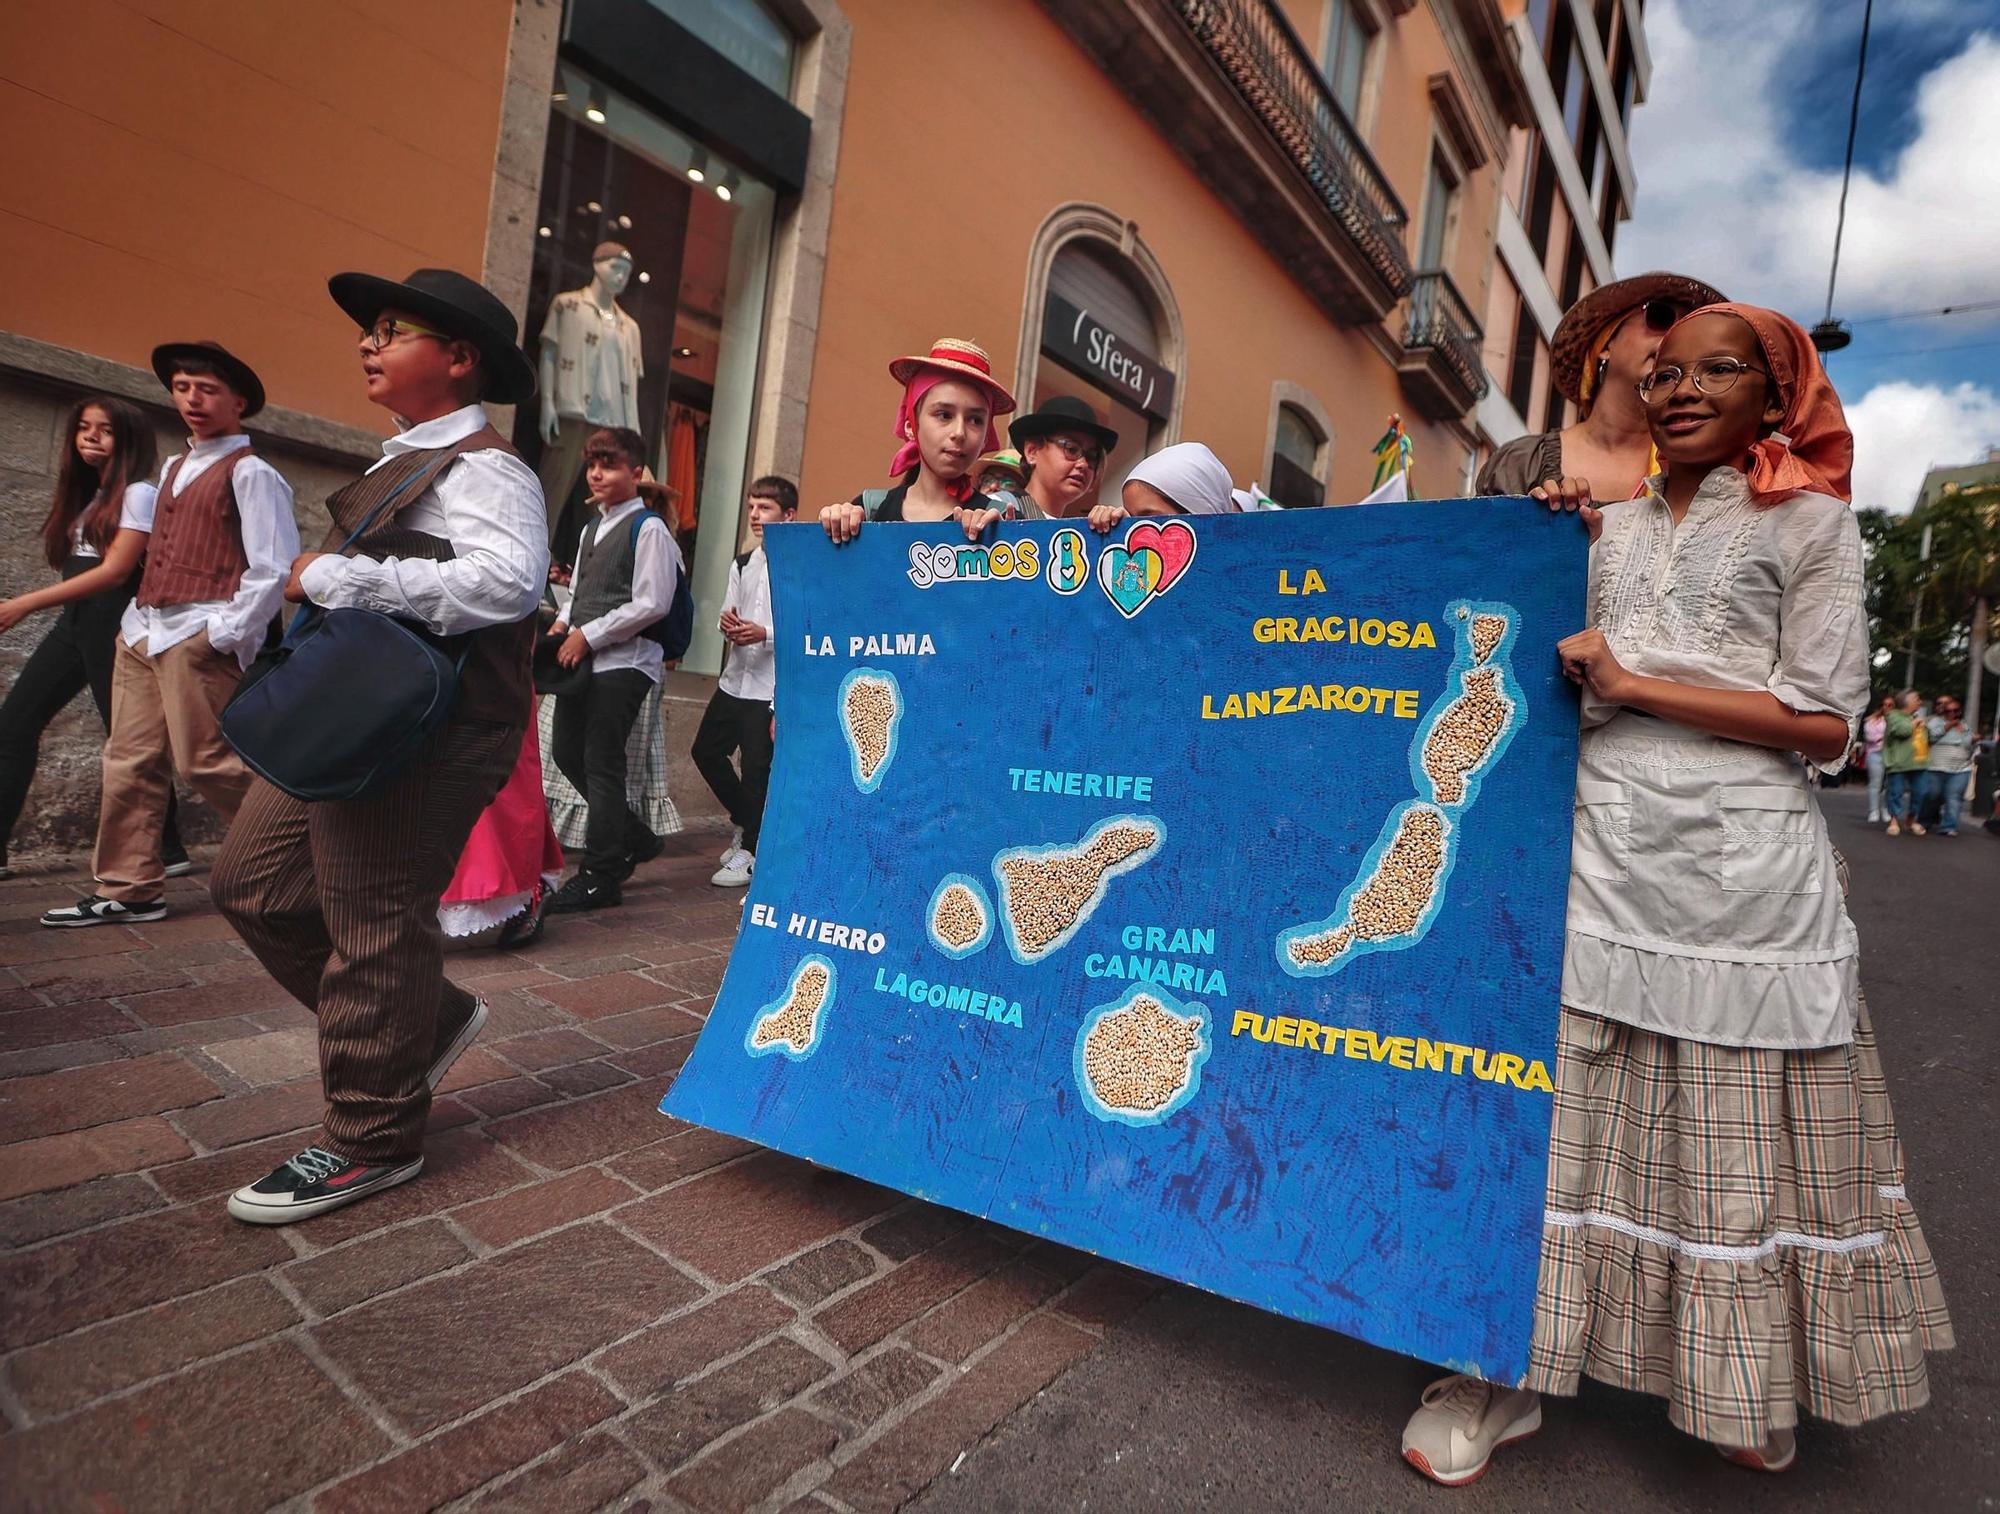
944	425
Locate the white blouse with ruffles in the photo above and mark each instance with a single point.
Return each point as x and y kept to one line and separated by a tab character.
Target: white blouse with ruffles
1703	902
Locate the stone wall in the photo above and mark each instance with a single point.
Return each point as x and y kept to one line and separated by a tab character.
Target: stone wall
38	384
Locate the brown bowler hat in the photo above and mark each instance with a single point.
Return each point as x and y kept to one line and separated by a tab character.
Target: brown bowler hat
1589	315
234	372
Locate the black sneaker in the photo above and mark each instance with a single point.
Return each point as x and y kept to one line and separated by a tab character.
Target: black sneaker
644	852
91	910
474	1024
176	863
313	1182
586	891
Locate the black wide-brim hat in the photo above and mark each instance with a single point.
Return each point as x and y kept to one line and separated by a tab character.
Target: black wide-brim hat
460	307
1064	412
237	374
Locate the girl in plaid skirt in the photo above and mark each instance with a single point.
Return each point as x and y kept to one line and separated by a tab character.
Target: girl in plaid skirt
1727	1225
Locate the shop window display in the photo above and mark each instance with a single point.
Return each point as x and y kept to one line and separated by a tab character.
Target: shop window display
645	305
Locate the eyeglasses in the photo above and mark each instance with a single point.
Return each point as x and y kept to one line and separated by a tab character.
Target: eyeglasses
385	331
1712	376
1075	451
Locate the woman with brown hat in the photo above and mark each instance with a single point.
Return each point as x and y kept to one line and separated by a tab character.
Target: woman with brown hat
943	427
1603	347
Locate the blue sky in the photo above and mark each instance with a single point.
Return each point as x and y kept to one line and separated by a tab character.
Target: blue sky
1738	152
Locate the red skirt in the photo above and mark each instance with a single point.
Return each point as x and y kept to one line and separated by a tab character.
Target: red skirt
511	853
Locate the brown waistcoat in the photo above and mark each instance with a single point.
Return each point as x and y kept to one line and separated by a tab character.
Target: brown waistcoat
195	554
496	683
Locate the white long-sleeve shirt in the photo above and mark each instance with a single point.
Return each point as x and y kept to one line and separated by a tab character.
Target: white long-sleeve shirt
488	505
235	626
752	671
614	636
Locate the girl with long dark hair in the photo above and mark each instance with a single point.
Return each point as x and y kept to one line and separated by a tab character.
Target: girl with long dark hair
94	536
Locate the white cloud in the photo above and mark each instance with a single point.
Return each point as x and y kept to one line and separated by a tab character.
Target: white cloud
1903	430
1721	195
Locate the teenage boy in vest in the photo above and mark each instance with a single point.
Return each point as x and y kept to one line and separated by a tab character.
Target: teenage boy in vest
339	899
627	567
738	718
223	540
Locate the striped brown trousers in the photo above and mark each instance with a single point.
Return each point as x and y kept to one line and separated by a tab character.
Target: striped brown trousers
339	901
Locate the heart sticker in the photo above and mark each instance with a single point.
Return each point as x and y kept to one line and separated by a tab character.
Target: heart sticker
1151	561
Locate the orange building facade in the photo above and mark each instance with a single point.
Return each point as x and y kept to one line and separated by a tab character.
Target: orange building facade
1266	225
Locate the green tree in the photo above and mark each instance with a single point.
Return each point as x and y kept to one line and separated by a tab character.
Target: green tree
1940	607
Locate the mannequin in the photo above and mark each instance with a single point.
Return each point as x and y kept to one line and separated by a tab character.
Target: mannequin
590	368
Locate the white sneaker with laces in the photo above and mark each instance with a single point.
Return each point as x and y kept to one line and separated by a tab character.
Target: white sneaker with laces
735	845
735	870
1462	1422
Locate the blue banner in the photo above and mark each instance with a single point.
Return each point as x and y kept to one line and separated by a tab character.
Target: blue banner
1192	895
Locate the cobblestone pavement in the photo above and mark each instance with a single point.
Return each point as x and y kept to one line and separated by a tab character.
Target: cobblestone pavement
580	1303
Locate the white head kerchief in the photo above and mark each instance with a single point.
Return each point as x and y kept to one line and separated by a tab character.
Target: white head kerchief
1190	475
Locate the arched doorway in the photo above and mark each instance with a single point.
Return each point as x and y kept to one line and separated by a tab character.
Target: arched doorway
1101	323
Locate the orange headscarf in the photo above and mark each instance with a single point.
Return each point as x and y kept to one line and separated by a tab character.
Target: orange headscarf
1812	449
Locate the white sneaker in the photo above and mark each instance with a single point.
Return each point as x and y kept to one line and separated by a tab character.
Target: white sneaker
736	870
1462	1422
735	845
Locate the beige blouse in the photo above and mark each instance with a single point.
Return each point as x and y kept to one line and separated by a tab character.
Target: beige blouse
1703	902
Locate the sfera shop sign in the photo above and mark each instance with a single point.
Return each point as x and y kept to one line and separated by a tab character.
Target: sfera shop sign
1080	342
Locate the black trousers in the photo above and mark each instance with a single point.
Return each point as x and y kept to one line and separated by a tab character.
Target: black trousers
589	741
75	655
730	725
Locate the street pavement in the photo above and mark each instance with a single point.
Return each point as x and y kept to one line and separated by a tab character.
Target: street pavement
1198	1403
582	1304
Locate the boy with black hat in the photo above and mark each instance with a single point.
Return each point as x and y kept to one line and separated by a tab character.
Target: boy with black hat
339	899
1063	447
223	537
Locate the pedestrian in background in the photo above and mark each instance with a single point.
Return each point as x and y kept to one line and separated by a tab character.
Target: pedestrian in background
738	717
627	567
223	540
1875	731
94	536
1905	750
1948	765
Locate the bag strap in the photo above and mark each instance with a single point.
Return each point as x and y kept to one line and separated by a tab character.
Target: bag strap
309	614
421	474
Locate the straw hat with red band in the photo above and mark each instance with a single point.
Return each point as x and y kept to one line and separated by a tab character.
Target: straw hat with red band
956	358
1579	333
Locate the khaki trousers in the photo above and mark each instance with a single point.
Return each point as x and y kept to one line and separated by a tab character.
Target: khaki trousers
164	713
339	901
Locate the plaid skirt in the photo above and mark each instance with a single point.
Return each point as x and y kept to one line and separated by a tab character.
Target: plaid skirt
1727	1228
645	774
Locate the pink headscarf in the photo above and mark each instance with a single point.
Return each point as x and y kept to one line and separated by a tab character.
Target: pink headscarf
1812	450
906	421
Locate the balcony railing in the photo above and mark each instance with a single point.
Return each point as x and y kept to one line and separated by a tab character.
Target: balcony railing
1230	87
1442	343
1256	47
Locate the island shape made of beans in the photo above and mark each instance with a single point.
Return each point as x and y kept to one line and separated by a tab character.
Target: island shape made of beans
1045	894
1393	901
797	1024
959	920
1138	1059
1464	735
870	709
